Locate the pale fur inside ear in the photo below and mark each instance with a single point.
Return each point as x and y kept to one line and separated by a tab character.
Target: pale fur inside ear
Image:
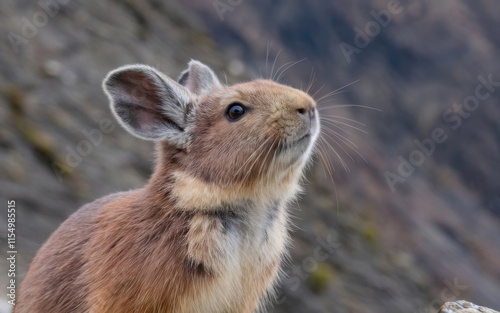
149	104
199	78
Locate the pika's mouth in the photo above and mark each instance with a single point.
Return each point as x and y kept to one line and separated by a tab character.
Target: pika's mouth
301	141
307	136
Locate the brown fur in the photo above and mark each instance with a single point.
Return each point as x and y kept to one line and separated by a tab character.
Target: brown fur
206	234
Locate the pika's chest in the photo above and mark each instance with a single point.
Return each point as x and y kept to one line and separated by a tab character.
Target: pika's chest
243	236
240	250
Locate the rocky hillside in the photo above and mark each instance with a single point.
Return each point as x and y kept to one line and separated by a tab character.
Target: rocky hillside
411	218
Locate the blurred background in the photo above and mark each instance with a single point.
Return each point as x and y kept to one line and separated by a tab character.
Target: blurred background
408	91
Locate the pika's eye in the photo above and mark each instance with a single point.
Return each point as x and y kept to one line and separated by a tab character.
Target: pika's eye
235	111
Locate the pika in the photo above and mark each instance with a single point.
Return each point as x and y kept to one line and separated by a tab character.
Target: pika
208	231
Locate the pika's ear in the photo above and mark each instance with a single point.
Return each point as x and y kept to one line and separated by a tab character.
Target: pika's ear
199	78
149	104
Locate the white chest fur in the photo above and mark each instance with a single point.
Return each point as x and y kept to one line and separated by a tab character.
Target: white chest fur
241	251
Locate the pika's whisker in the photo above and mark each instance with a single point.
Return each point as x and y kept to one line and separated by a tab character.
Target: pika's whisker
324	159
270	165
337	106
273	160
251	157
329	96
337	91
317	91
279	69
274	63
333	122
287	68
340	135
337	154
344	118
329	165
331	135
312	80
267	55
261	150
265	158
347	142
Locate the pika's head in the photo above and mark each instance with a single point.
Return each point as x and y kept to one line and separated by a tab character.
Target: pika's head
226	135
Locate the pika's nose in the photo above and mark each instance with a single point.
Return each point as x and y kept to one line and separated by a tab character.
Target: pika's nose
307	112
